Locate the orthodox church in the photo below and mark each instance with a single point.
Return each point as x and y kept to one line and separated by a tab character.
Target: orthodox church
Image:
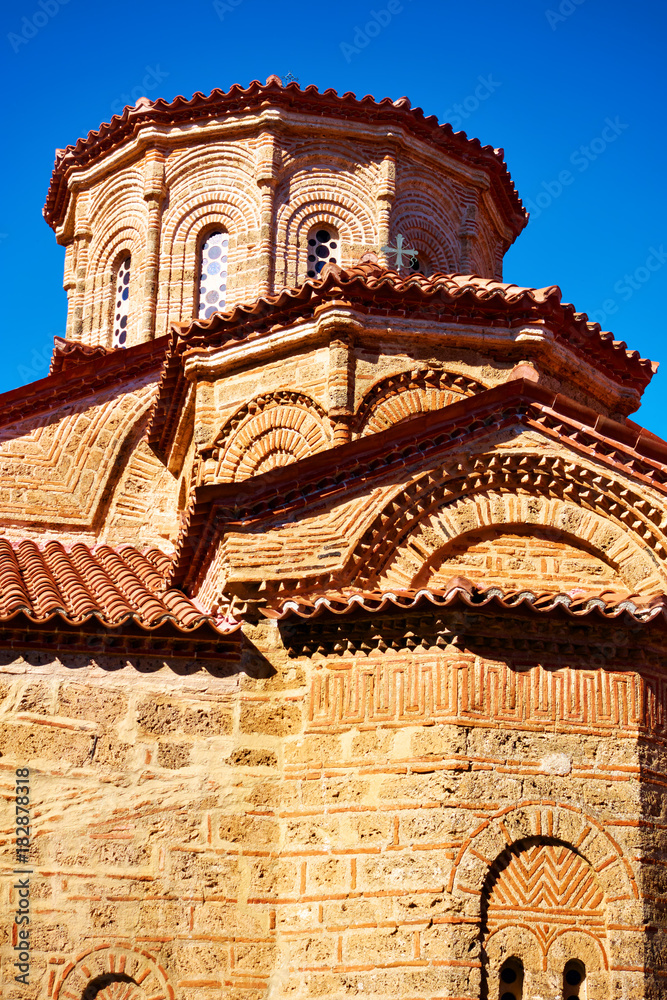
333	576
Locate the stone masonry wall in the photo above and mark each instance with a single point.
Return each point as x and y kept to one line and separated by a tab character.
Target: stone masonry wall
336	825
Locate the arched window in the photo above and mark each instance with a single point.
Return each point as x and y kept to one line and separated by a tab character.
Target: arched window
419	265
511	980
574	981
104	986
323	248
213	274
121	302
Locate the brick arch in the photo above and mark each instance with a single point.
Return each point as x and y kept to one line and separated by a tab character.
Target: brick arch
234	209
100	290
270	431
562	477
120	972
75	456
533	821
529	543
217	158
418	209
355	218
601	537
543	881
407	393
352	217
237	210
120	195
422	234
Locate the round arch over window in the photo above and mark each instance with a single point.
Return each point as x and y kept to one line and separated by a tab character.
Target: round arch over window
121	301
323	248
213	258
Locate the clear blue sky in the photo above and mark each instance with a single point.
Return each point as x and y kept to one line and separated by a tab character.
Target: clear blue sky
558	73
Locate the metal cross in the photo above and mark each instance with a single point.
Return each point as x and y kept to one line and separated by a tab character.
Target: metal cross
290	78
399	251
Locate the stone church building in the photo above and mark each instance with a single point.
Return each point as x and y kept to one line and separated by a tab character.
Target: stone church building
333	576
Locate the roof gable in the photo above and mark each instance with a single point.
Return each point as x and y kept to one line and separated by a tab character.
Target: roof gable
415	444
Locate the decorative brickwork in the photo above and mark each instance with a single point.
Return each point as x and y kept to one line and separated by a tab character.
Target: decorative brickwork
112	973
267	433
401	396
333	625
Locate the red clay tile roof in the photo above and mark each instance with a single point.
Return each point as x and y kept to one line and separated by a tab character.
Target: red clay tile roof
474	299
605	605
335	474
67	353
238	101
368	286
79	371
109	586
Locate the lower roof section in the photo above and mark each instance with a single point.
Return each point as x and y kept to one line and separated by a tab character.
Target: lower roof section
577	604
82	590
79	371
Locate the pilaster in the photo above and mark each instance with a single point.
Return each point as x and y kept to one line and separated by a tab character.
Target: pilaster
154	194
266	176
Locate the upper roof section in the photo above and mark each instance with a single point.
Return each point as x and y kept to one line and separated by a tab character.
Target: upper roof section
396	119
531	329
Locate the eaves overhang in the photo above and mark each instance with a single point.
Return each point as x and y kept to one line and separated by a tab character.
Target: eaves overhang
390	116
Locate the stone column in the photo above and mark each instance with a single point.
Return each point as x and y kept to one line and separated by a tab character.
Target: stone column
82	246
468	236
385	195
69	284
266	175
340	386
154	194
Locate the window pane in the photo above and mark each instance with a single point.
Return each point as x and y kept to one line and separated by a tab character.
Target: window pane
213	275
121	303
322	249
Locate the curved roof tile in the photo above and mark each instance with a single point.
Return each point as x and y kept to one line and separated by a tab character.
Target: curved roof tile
607	604
110	586
328	104
370	286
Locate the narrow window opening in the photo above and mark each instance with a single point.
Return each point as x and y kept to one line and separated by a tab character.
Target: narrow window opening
419	265
121	302
323	248
574	981
511	980
213	274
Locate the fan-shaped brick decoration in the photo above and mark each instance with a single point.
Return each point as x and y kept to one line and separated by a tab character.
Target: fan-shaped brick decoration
404	395
267	433
111	973
548	887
